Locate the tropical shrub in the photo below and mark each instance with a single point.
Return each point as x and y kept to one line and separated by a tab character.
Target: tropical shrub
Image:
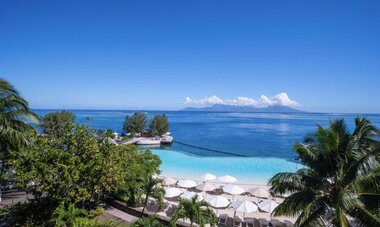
141	164
150	221
74	169
152	187
196	211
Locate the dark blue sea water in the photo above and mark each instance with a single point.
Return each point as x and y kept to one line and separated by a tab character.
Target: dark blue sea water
248	134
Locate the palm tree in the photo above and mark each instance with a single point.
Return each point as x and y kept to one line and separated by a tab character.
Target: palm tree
67	217
197	211
14	115
150	221
15	132
151	187
340	177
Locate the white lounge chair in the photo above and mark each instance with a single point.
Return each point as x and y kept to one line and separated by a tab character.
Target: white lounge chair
263	222
238	221
277	223
288	223
223	219
250	222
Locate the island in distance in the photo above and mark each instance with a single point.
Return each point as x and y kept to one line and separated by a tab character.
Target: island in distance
250	109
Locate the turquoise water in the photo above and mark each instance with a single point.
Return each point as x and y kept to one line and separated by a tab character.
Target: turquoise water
246	170
267	138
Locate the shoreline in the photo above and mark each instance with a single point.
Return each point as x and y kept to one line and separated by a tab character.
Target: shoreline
250	171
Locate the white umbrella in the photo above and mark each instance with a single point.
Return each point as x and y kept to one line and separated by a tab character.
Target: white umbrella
233	189
190	195
207	177
187	183
268	206
227	179
172	192
168	181
217	201
259	192
206	187
244	206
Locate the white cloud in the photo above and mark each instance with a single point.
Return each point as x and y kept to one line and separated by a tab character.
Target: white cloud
264	101
205	101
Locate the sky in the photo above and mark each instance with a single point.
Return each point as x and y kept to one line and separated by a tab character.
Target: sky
167	54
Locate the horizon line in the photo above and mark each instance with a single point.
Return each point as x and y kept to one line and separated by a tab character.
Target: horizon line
204	111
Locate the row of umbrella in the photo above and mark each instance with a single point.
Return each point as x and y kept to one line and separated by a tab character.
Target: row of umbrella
222	202
230	189
244	206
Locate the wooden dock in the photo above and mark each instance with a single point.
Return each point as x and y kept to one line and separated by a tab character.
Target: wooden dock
132	141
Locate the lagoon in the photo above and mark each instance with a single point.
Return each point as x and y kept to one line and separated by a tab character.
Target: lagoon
251	170
266	138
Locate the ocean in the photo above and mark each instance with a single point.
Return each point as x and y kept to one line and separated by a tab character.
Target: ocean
247	134
267	139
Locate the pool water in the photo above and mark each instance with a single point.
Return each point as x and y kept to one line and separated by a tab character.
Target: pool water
251	170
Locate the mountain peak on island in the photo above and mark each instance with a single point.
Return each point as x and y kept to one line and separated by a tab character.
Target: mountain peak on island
232	108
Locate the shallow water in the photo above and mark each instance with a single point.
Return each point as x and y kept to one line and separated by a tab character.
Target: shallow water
252	170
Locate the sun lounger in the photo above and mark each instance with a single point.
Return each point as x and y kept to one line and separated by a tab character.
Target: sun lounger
250	222
276	223
288	223
222	220
263	222
238	221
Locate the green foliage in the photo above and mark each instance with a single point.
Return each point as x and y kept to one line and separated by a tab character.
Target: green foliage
152	187
150	221
72	216
95	213
14	113
159	125
74	169
196	211
33	213
341	177
44	213
58	124
141	164
135	123
15	130
63	216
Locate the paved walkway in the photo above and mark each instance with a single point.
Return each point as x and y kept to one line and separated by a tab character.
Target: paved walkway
122	215
12	197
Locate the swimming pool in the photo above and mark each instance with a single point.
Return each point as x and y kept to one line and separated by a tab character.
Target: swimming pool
251	170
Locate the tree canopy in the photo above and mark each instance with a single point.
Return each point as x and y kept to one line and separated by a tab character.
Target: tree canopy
58	124
142	165
340	178
76	169
16	131
135	123
159	125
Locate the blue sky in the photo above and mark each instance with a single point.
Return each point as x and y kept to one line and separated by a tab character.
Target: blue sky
153	54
